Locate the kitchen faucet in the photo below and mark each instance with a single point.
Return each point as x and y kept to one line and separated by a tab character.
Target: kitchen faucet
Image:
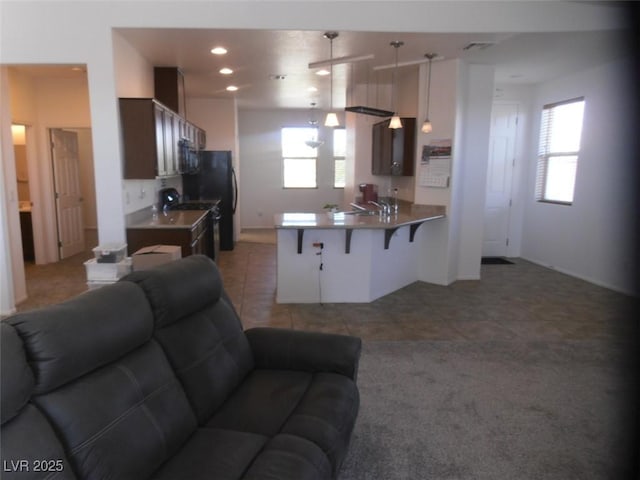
383	207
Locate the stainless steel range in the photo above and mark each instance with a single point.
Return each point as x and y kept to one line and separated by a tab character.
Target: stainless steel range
170	200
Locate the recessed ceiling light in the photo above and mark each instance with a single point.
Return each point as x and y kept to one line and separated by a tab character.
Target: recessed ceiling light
218	50
312	89
226	71
232	88
323	72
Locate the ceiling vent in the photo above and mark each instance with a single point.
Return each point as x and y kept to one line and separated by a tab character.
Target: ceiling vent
475	46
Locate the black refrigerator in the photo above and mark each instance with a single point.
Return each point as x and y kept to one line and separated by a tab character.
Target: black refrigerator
215	180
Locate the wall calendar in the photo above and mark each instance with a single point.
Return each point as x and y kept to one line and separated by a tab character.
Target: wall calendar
435	164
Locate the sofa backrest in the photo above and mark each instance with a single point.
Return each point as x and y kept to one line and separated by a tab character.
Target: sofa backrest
198	328
27	439
104	383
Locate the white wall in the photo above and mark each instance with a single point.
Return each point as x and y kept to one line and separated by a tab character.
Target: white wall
262	194
596	237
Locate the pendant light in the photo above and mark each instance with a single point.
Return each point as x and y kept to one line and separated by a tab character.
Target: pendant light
395	120
426	125
332	119
313	142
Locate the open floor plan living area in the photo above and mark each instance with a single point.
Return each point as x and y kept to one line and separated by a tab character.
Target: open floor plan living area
319	240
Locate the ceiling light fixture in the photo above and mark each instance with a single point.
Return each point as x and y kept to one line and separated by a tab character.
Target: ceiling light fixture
426	125
232	88
226	71
395	120
323	72
313	142
218	50
332	118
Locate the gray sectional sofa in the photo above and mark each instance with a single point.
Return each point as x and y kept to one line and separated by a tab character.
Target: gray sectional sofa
154	378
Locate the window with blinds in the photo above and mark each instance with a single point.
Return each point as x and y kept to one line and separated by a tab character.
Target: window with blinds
298	159
558	151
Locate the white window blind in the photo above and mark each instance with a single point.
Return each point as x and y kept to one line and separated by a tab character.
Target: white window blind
298	159
558	151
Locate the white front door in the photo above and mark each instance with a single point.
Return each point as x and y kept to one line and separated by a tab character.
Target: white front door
66	177
502	149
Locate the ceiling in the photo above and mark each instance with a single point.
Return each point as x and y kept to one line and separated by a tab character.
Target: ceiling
271	67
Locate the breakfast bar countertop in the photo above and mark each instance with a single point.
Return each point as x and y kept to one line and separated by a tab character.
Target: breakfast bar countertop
169	219
408	214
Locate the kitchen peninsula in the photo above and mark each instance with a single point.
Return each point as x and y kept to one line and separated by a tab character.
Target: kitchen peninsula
348	256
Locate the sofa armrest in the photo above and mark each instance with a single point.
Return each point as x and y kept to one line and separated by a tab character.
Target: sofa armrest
276	348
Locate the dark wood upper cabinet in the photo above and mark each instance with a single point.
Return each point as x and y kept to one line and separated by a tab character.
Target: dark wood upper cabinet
169	89
393	150
151	137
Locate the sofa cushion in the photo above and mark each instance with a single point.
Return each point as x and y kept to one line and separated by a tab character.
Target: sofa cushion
172	297
16	377
27	440
319	407
68	340
26	437
123	420
203	340
105	384
213	453
326	415
290	457
263	402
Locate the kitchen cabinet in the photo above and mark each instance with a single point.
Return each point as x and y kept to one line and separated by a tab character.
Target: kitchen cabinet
193	238
148	138
168	85
393	150
151	133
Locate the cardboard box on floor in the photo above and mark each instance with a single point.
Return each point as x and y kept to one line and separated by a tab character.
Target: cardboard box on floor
154	255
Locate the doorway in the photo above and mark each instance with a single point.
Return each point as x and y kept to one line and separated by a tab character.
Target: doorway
65	163
502	153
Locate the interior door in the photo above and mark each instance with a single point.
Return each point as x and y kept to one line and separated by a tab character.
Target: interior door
66	178
502	142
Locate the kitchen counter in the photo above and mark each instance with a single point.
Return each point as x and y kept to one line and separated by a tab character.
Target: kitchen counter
170	219
192	230
412	215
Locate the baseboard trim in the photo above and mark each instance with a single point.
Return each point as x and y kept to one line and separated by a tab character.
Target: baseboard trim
585	278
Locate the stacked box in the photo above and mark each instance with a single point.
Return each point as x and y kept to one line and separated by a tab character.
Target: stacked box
99	274
110	252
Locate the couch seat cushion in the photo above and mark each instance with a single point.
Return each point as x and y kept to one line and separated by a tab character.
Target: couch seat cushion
287	457
326	415
263	402
319	407
213	453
